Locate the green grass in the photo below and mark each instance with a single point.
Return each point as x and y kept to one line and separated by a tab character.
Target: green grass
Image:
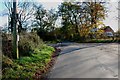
103	41
25	67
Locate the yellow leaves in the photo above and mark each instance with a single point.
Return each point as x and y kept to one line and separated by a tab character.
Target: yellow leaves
100	31
100	23
84	31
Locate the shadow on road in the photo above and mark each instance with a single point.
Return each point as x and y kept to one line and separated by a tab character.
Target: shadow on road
69	50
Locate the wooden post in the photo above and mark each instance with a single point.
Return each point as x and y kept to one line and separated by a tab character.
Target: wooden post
15	41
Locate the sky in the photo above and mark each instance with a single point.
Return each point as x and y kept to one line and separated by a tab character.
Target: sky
111	19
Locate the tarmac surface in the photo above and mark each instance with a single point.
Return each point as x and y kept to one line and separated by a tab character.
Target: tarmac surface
86	60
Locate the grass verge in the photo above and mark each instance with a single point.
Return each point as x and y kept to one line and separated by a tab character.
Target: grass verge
34	66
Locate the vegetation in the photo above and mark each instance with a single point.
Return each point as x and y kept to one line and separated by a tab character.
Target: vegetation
27	67
77	20
37	26
25	12
103	41
28	43
34	57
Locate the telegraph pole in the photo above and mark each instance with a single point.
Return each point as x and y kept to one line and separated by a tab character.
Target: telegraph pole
15	31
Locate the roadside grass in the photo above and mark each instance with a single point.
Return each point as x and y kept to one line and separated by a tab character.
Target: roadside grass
27	66
116	40
35	57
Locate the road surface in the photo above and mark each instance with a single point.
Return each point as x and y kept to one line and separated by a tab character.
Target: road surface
86	60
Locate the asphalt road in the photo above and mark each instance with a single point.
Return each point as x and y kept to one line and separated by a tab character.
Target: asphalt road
86	60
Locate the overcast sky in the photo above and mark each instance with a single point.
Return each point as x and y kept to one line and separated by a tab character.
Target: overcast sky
111	20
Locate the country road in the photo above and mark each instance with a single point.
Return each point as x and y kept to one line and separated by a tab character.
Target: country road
86	60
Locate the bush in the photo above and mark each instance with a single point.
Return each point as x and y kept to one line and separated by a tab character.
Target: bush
7	44
28	42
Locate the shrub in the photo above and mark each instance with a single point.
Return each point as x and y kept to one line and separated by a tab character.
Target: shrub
28	42
7	44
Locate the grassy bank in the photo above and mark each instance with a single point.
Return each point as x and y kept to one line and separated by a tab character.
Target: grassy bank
27	67
35	57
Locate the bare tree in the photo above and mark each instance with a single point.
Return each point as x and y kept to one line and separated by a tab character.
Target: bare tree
25	14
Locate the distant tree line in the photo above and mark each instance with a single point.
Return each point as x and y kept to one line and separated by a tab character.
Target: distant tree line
77	19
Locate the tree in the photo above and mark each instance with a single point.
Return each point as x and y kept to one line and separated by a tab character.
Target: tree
78	18
25	14
94	14
51	17
44	21
69	13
